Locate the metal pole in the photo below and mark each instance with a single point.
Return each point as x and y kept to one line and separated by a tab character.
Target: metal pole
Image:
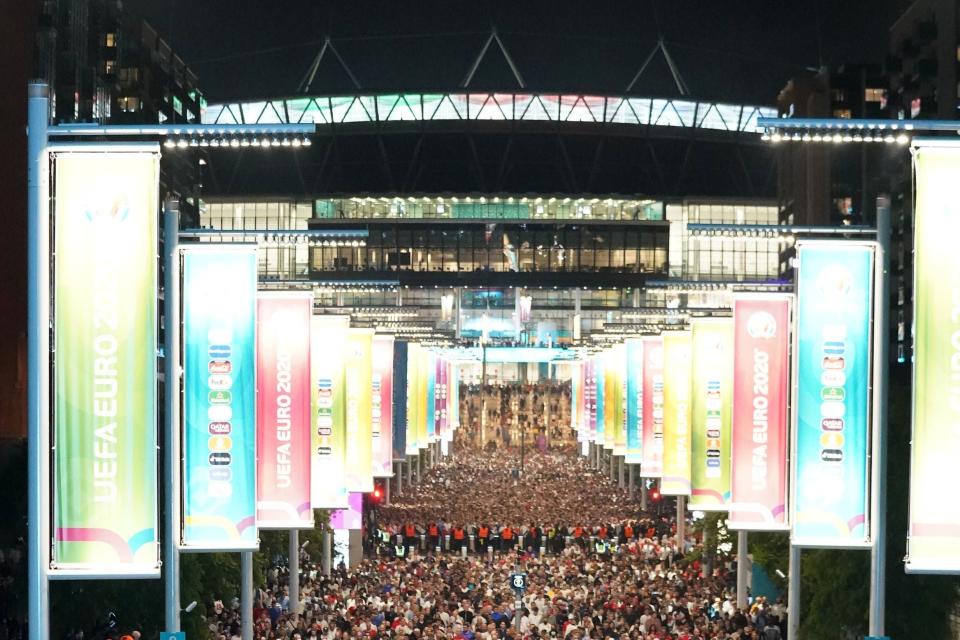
386	491
399	477
681	524
621	480
326	559
643	494
632	480
294	585
38	362
742	569
172	373
793	594
878	471
246	595
613	467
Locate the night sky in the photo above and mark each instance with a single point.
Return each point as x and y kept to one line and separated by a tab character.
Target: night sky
732	50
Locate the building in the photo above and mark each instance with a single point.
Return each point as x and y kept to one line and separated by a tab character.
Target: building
108	67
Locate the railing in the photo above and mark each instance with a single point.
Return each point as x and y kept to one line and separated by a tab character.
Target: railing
523	107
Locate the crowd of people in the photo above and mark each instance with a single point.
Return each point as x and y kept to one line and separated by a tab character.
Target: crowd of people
556	491
637	585
499	415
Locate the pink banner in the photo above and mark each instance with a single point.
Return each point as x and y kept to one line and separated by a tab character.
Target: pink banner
440	391
283	410
760	395
382	406
651	465
590	399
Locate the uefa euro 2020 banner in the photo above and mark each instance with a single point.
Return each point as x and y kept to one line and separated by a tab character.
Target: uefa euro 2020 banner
676	414
759	441
834	355
283	409
620	396
934	522
711	397
414	385
651	465
359	387
219	344
634	391
104	389
382	409
328	337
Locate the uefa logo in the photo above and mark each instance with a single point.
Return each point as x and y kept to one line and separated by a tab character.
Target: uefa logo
834	282
114	213
761	324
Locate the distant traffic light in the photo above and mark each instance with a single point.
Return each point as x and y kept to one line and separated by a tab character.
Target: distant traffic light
655	495
377	493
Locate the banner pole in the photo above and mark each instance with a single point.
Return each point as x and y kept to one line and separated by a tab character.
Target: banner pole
294	564
878	471
246	595
172	372
793	593
742	569
681	524
38	362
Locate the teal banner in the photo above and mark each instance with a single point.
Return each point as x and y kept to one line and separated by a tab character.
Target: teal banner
834	357
219	313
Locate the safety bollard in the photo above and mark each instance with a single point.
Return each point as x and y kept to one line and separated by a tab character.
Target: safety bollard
472	541
423	541
463	552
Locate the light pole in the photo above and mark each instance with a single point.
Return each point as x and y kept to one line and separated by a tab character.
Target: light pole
172	373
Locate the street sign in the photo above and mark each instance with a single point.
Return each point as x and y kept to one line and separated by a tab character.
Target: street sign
518	581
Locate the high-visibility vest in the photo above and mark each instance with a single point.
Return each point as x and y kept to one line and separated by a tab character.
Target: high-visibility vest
507	533
458	533
400	550
410	531
433	530
484	532
603	532
578	532
628	532
601	547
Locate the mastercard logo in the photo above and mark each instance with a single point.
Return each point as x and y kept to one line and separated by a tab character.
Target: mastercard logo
831	440
761	324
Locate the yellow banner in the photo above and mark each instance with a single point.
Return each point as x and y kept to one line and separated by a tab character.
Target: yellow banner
359	379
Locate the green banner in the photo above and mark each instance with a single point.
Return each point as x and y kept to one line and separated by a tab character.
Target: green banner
934	523
711	402
328	480
104	392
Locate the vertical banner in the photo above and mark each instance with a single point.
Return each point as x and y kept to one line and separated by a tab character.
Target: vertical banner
382	410
634	361
328	337
834	355
934	522
430	368
576	386
711	399
413	399
590	398
104	381
651	465
424	398
760	393
358	373
453	392
400	399
599	418
611	400
676	414
219	382
283	409
619	353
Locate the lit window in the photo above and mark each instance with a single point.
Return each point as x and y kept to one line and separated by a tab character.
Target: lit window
873	95
842	113
109	67
110	40
129	103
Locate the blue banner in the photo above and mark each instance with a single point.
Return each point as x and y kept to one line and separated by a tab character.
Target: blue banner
399	400
634	453
219	312
831	473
